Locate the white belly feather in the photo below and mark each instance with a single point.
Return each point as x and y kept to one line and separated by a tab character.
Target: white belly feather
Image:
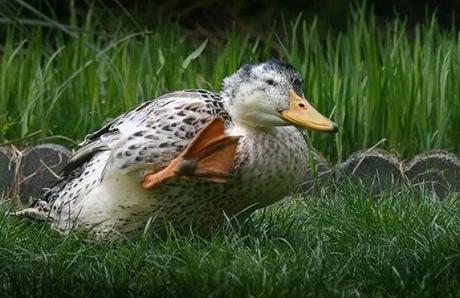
267	168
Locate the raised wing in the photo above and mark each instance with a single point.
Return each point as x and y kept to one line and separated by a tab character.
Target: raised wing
153	133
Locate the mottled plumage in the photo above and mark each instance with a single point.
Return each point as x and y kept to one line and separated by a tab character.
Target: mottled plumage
100	188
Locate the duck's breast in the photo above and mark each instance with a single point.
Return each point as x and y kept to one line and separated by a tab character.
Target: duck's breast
269	166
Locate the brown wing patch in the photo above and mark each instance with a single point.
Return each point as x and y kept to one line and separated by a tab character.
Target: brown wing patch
209	156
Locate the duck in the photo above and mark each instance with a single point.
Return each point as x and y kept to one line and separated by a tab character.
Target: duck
189	159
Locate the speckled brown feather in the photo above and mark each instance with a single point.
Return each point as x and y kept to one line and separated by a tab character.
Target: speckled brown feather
209	156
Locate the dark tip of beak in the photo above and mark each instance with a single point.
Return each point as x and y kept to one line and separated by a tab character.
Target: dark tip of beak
335	128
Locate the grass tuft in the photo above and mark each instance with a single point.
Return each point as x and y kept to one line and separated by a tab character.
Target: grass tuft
341	244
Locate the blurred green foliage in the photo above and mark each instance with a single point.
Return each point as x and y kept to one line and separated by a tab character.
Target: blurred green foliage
390	81
212	16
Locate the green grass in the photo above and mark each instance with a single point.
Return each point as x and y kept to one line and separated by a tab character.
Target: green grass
377	81
338	244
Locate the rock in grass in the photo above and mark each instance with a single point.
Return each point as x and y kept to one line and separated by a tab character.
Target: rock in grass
320	172
40	167
435	171
377	170
7	170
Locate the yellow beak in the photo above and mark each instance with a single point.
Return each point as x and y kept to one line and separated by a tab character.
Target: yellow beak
300	112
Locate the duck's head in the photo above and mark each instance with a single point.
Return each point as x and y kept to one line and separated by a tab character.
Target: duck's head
270	94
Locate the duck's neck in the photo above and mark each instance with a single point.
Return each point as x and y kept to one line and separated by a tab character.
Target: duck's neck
242	129
241	124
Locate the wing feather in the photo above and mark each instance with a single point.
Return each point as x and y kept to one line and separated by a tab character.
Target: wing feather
151	134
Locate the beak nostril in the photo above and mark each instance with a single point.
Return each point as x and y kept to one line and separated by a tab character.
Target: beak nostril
335	128
301	105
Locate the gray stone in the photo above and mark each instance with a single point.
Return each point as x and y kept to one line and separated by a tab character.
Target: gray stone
320	173
7	171
377	170
40	167
435	171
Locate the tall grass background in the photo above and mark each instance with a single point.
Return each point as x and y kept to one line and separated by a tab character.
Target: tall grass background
381	82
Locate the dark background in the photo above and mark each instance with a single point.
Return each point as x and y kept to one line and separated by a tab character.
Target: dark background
211	16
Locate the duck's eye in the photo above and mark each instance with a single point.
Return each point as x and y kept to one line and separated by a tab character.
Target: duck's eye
270	82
